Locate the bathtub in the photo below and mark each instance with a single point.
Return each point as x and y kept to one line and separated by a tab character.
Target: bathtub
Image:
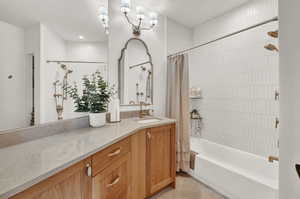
235	174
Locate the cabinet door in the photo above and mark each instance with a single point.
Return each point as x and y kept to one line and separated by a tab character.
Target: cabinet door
160	158
71	183
114	181
138	168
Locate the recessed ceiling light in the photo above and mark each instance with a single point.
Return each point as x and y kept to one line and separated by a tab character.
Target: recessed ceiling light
81	37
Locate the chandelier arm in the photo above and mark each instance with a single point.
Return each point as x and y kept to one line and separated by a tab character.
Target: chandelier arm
139	27
128	20
149	28
140	23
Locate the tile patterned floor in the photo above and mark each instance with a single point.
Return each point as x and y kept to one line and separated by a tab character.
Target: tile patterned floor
188	188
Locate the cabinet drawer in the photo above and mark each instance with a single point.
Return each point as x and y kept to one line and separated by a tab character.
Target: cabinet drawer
114	181
106	157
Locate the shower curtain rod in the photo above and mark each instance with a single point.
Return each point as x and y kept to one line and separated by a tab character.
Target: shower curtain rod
78	62
226	36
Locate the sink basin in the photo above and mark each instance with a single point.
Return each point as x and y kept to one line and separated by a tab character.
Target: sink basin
150	120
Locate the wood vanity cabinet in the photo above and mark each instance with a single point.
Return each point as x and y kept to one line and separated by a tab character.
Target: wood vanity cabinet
160	158
134	168
71	183
144	164
112	172
114	182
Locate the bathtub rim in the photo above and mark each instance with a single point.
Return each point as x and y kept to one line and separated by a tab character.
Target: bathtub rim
272	183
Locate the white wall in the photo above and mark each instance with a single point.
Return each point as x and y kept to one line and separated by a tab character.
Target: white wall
84	51
87	51
248	14
238	78
18	47
120	32
289	101
179	37
54	47
12	91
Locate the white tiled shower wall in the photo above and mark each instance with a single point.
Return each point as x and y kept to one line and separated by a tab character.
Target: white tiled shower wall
238	78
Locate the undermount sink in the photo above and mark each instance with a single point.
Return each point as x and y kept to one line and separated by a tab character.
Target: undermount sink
150	120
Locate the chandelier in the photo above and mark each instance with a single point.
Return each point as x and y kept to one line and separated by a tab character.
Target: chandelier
140	14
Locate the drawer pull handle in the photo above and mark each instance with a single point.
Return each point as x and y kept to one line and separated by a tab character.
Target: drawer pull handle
88	170
149	135
114	182
117	152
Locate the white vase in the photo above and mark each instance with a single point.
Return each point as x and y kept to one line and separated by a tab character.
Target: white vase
97	119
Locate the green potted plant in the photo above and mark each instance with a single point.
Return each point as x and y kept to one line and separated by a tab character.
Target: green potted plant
98	96
95	98
80	102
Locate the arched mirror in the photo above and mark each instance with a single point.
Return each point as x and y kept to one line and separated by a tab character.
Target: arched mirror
135	73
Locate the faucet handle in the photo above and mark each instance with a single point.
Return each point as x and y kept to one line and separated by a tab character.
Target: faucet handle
298	169
151	111
144	103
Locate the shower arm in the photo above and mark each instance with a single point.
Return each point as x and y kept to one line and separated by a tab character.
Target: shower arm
134	66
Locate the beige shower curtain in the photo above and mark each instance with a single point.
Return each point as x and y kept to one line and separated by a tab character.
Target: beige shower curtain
178	106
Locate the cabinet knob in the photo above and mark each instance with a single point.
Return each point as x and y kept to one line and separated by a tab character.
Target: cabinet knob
149	135
88	170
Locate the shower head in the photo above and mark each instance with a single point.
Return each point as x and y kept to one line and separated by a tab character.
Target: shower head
271	47
70	71
63	66
273	34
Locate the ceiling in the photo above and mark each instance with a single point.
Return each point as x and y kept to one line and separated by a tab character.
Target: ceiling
191	12
69	18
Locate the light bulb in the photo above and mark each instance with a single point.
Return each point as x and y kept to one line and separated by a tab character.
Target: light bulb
140	12
103	10
103	13
125	6
153	18
153	22
103	18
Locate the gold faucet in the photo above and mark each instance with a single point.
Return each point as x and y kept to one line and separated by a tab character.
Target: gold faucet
273	158
143	113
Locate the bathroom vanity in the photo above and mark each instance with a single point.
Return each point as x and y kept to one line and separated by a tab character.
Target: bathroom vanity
128	160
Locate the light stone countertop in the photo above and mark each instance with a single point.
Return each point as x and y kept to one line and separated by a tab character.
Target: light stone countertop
26	164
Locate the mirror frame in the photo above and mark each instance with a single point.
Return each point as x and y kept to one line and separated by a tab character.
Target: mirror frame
120	65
